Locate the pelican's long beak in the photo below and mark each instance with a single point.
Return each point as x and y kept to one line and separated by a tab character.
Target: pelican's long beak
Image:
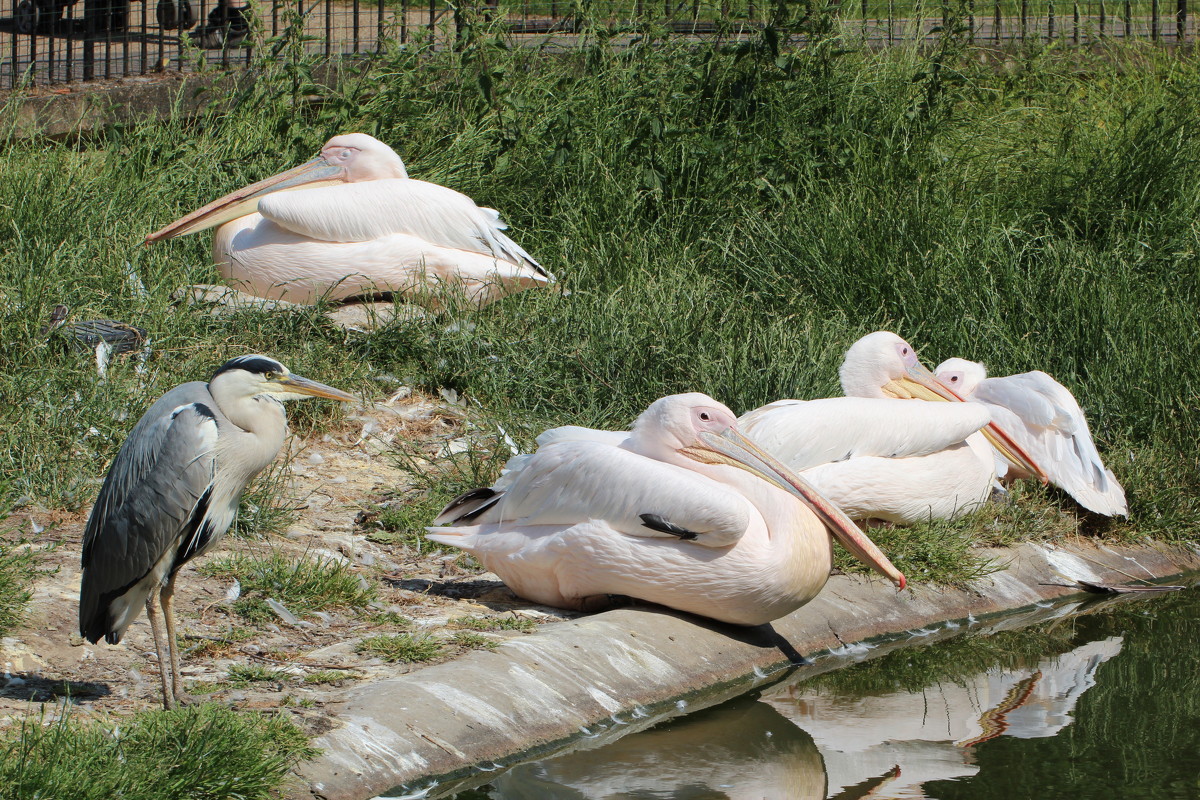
922	384
317	172
300	386
733	449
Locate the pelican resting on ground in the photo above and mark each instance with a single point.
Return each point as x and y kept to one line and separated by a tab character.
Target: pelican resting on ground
1043	417
173	491
878	458
351	222
683	511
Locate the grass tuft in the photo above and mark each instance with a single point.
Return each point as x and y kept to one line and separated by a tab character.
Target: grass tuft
406	647
302	585
494	624
202	752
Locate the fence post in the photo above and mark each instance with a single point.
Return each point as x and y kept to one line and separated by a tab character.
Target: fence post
1154	20
1181	21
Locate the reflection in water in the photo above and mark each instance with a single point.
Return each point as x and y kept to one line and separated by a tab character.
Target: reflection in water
930	734
745	750
977	717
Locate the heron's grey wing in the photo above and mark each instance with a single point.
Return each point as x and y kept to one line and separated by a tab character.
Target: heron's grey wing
360	212
1044	418
574	481
148	517
808	433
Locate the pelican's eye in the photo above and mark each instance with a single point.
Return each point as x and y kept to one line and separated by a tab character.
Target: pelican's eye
704	415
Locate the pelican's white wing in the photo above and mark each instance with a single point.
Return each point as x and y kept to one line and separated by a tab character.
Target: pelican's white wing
368	210
1043	417
808	433
577	433
574	481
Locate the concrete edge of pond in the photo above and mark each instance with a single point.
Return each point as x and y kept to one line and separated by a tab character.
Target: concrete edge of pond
537	694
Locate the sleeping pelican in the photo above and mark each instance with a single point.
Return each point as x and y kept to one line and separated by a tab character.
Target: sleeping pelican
351	222
877	458
1043	418
683	511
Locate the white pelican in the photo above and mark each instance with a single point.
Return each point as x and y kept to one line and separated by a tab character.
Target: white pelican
683	511
874	457
351	222
880	459
1043	417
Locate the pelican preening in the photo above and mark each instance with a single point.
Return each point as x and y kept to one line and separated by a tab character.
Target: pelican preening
173	491
351	222
683	511
1043	417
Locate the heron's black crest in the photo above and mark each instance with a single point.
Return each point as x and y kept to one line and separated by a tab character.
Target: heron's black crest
260	365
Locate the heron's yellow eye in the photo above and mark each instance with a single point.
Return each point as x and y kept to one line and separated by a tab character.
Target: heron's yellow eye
272	376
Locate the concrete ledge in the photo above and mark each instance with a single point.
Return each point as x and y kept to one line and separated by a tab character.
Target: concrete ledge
453	722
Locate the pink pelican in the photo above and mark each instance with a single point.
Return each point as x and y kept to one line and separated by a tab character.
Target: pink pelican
351	222
682	511
874	457
1043	417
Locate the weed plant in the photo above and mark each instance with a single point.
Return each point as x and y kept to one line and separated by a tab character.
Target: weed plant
727	218
151	756
302	585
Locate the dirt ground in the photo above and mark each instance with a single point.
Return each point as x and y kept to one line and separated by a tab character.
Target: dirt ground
337	479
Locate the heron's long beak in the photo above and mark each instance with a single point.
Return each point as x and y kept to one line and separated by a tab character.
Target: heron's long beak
295	384
317	172
733	449
922	384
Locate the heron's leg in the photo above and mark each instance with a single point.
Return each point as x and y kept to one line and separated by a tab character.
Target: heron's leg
168	604
152	614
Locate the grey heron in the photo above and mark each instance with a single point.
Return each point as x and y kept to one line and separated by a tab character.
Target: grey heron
173	491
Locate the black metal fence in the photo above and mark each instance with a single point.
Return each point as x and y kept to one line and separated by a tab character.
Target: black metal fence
58	41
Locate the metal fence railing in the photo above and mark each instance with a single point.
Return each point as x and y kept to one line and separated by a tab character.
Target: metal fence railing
58	41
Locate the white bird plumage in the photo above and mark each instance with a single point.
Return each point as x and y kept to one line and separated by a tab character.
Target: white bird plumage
873	456
674	512
1045	419
359	226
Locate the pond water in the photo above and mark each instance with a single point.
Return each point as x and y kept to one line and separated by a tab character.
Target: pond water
1101	702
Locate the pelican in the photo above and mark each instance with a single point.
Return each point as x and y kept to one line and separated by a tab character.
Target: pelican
876	458
880	459
1045	420
351	222
173	491
683	511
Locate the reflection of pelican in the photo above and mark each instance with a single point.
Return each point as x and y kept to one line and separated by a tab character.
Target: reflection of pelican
930	733
742	750
874	457
1044	418
684	511
359	225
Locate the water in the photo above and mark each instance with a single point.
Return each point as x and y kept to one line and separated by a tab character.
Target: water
1103	703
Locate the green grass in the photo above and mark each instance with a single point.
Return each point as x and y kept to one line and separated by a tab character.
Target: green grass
473	641
18	569
201	752
243	675
302	585
405	647
494	624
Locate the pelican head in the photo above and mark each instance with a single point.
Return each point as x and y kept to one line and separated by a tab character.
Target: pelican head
699	428
348	158
252	376
881	364
961	375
